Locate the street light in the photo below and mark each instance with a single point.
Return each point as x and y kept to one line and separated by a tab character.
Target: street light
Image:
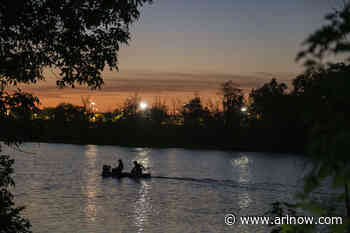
93	106
143	105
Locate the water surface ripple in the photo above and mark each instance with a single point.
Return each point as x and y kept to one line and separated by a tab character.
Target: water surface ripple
191	191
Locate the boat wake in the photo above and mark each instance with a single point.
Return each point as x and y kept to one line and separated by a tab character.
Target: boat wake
263	186
271	187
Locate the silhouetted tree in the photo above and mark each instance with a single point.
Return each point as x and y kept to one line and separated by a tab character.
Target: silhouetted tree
192	112
276	115
323	93
76	37
330	39
15	112
213	115
65	112
232	102
130	107
325	89
266	100
159	111
11	221
24	104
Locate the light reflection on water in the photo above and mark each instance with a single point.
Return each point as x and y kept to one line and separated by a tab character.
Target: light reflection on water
90	188
241	164
142	206
64	192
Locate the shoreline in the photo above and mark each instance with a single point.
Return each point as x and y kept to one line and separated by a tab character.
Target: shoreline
234	148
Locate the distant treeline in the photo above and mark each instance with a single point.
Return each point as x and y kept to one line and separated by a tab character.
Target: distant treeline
273	117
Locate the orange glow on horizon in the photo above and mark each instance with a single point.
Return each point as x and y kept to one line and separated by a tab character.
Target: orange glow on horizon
170	87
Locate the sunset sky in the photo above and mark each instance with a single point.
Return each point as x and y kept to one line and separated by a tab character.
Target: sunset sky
182	47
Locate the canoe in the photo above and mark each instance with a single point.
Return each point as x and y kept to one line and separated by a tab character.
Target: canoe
126	174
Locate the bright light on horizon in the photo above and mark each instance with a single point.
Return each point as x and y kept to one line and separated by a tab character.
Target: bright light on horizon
143	105
93	107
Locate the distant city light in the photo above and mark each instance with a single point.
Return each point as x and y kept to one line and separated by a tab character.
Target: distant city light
93	107
143	105
244	109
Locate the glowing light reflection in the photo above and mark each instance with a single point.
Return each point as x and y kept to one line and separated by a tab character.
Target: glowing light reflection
242	165
142	206
142	156
90	207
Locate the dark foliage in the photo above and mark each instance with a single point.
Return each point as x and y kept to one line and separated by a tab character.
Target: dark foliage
329	40
232	103
15	112
77	37
11	220
273	122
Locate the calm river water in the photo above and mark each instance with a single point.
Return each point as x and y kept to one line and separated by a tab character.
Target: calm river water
63	191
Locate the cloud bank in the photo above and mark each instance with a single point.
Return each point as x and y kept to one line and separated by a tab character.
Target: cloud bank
148	84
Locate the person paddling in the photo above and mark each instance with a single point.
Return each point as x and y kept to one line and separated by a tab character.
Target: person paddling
137	169
106	170
118	170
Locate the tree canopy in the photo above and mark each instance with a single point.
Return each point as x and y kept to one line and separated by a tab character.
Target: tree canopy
329	40
324	88
79	38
